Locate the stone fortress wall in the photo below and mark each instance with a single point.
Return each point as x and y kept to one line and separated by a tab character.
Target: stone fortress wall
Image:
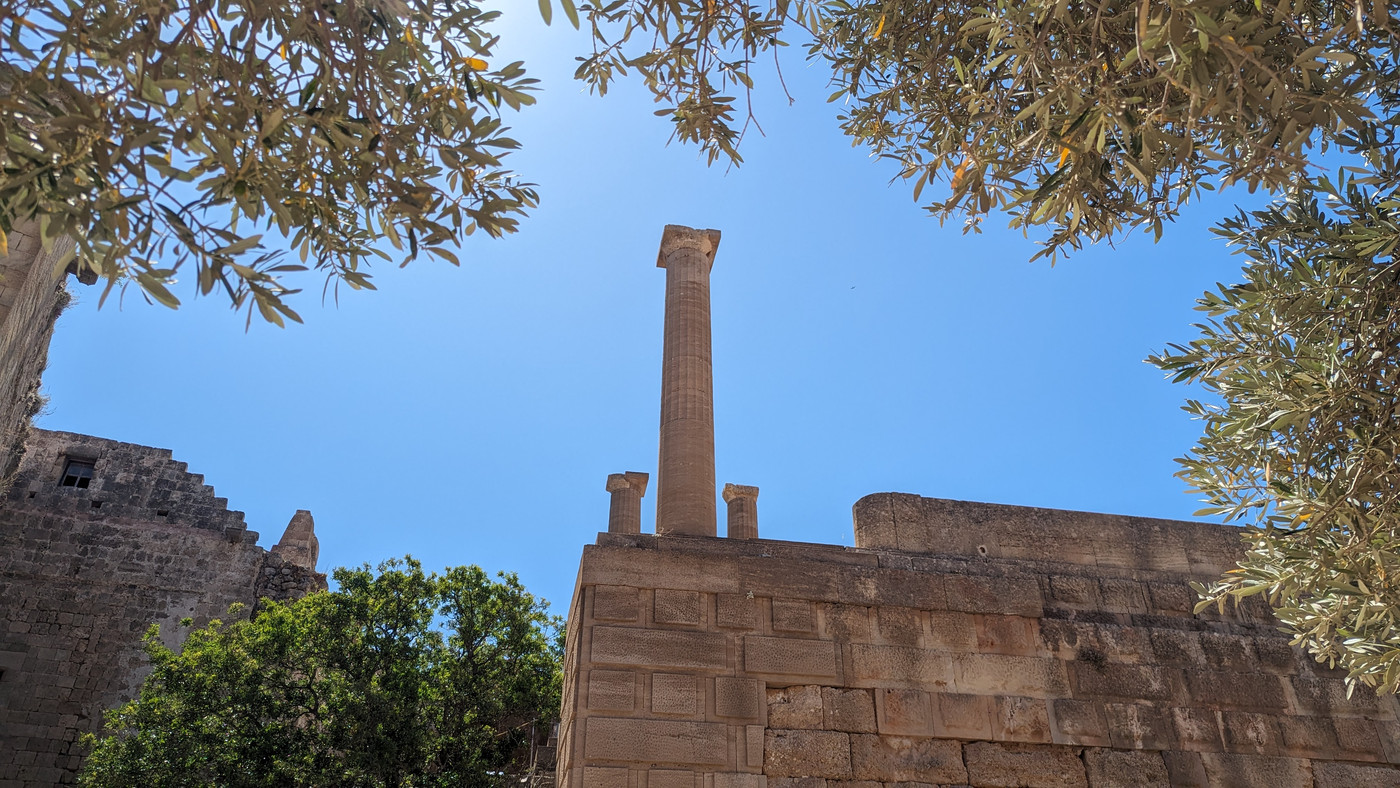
85	570
956	644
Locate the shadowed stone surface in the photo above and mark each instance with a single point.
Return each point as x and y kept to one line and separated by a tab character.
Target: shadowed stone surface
85	570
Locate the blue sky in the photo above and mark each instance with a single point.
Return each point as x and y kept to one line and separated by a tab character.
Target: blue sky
471	415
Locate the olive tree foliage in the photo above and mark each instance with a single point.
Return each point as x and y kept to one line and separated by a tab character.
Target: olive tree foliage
1302	437
396	678
171	136
1085	120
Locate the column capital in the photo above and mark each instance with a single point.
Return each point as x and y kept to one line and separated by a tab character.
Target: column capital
678	237
733	492
631	479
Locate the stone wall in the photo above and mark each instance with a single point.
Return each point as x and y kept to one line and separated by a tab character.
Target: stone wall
956	645
31	297
84	571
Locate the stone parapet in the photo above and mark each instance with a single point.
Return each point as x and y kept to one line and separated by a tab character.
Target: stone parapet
704	662
935	526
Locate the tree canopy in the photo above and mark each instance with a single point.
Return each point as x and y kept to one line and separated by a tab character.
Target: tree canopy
1087	118
396	678
170	137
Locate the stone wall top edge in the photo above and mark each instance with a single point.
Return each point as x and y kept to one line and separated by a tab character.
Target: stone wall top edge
694	554
917	525
1010	513
59	519
65	436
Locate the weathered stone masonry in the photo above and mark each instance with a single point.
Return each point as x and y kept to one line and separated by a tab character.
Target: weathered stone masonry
31	297
956	644
84	571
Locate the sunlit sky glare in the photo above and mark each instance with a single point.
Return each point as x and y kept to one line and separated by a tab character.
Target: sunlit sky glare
472	414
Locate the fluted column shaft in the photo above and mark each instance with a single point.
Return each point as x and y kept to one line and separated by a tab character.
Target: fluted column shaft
742	501
625	511
685	484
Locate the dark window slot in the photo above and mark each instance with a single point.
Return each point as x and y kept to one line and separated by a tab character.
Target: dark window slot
77	473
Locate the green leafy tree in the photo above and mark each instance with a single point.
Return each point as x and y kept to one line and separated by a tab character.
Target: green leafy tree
1085	120
1302	437
396	678
170	136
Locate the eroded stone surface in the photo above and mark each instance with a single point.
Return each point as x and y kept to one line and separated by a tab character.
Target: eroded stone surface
1077	663
84	570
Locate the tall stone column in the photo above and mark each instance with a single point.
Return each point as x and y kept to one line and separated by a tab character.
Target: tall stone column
743	511
685	484
625	511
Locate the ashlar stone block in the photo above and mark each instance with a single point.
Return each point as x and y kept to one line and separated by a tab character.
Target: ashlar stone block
903	759
1002	674
1249	732
1177	647
753	745
1021	720
676	607
1346	775
796	782
1135	726
847	623
1117	680
1074	590
1009	635
604	777
807	753
1125	769
903	712
612	690
738	697
673	693
1012	595
1229	652
790	656
793	615
852	711
1246	691
672	778
798	707
952	631
1196	730
736	611
1359	739
958	716
900	625
1079	722
1185	770
735	780
901	665
659	648
1307	737
615	603
1024	766
656	741
1256	771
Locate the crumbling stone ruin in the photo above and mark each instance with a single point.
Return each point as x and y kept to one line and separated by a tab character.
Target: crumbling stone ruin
32	295
956	644
99	540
